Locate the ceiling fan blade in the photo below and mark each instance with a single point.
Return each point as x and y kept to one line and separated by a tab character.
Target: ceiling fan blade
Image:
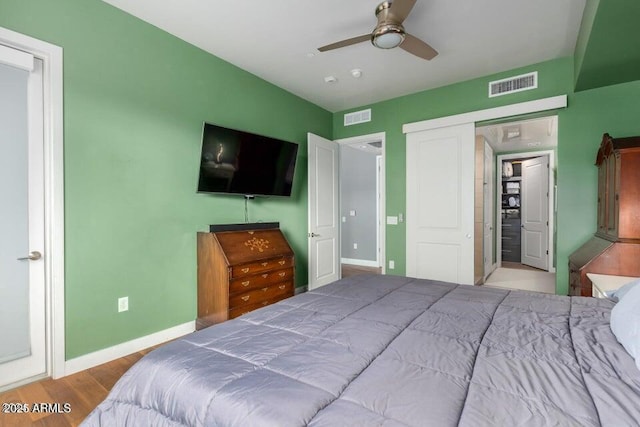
400	9
347	42
417	47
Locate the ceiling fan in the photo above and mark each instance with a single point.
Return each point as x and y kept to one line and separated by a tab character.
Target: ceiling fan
389	32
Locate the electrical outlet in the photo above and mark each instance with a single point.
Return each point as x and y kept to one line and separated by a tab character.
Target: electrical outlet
392	264
123	304
344	219
355	246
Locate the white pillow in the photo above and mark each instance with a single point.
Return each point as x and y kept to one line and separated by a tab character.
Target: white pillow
617	294
625	321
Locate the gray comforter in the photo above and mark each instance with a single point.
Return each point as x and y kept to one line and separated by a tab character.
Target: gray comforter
390	351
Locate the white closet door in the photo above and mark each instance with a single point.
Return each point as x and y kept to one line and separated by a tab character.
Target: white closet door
440	204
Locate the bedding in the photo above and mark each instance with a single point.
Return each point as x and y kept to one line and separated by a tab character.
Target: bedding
390	351
625	319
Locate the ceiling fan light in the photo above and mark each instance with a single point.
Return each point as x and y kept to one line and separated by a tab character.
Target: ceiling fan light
388	40
388	36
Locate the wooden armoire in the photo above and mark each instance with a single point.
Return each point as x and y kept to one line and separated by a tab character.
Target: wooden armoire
615	247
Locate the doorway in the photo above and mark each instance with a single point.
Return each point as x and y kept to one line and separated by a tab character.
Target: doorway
525	203
32	250
360	219
325	206
23	344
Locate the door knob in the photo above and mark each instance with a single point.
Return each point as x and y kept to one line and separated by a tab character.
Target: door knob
33	256
314	235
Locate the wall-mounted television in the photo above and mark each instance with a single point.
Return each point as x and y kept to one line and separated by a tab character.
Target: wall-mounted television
243	163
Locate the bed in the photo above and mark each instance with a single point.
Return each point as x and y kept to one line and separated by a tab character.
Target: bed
390	351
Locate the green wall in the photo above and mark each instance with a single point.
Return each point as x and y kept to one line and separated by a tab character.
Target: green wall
606	52
134	102
554	77
612	109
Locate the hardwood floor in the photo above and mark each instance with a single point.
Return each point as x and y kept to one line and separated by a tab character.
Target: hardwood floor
82	392
352	270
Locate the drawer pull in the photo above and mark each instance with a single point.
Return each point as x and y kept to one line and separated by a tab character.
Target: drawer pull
245	284
282	274
264	264
246	298
265	303
264	276
265	289
281	262
282	286
245	270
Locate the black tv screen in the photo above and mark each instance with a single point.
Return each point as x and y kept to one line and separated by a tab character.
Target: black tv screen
237	162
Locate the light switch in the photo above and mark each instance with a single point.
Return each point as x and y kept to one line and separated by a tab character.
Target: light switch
352	213
392	220
355	246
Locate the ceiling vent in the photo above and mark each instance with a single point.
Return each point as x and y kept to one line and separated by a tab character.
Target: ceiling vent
357	117
513	84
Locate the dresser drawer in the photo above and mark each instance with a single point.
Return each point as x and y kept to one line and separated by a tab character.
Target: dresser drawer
260	294
250	269
239	311
244	284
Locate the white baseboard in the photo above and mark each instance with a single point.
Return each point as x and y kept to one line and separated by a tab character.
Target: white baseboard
117	351
360	262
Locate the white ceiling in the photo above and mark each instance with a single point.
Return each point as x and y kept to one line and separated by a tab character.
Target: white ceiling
274	40
524	135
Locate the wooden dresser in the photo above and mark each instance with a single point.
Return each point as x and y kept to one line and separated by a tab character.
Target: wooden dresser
615	248
242	267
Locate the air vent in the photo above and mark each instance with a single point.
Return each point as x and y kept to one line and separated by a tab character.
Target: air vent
376	144
513	84
357	117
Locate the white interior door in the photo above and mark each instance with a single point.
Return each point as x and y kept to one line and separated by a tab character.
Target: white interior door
440	203
534	205
22	280
488	183
324	226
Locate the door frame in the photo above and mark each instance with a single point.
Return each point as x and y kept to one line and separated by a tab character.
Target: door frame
53	137
551	207
512	110
380	187
488	203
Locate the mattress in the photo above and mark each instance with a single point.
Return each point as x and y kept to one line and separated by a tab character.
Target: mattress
390	351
